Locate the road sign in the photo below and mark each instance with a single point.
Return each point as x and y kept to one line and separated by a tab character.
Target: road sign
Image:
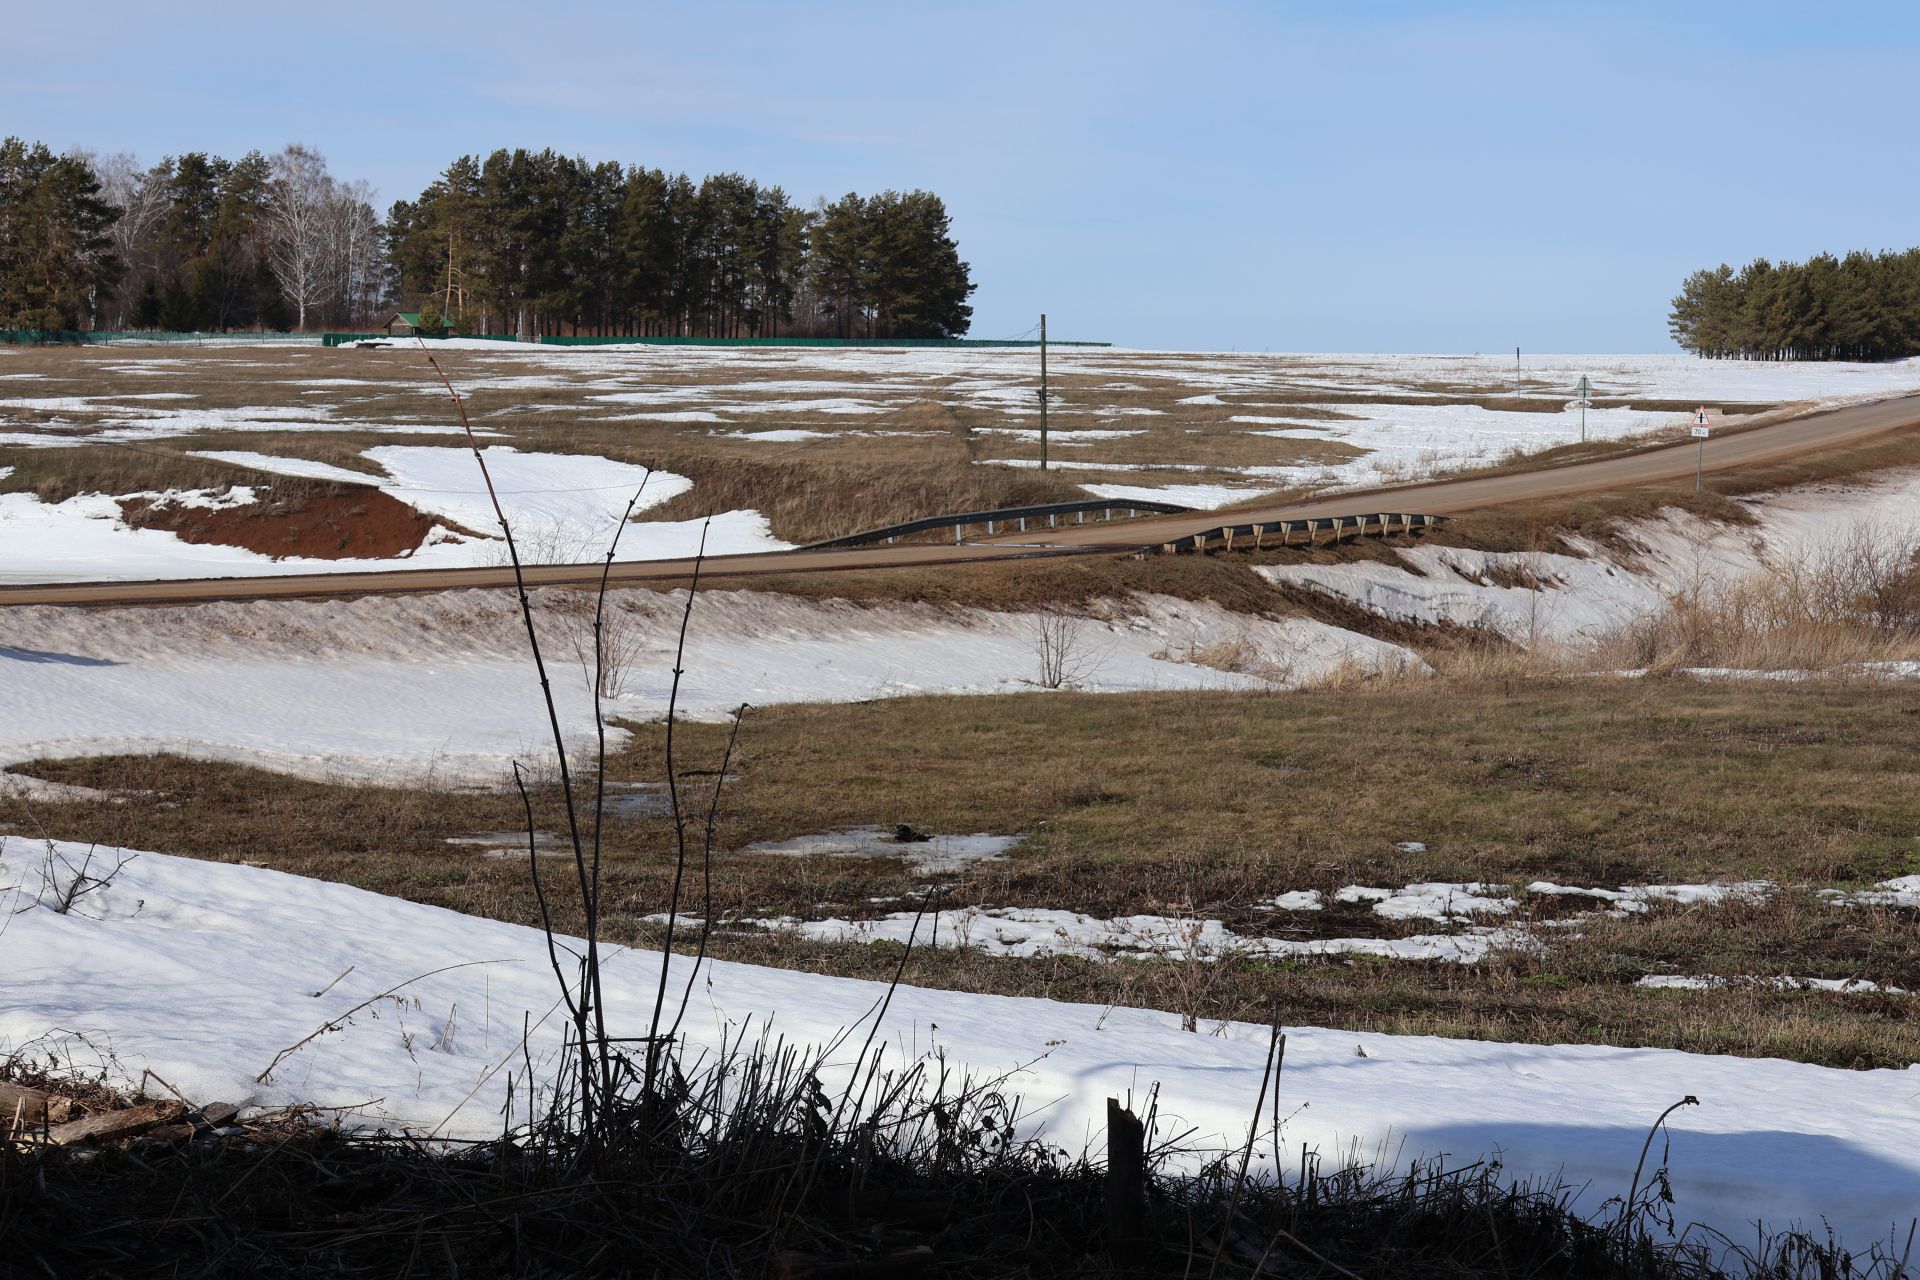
1585	389
1583	393
1701	433
1700	416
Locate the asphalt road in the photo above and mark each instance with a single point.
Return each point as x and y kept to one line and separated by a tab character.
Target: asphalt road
1812	433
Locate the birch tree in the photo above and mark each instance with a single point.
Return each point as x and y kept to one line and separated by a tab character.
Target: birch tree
355	254
299	203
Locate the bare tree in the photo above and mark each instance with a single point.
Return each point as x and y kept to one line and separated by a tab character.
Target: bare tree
354	251
298	201
1064	649
140	195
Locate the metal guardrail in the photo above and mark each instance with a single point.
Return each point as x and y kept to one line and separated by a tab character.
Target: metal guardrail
1015	518
1334	528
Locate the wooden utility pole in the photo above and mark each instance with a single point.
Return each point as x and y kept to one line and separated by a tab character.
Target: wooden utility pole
1043	391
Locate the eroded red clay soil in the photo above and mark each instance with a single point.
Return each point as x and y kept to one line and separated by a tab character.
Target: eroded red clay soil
323	524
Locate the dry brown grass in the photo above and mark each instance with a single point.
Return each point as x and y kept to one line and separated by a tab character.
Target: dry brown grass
1203	805
54	475
806	501
1833	606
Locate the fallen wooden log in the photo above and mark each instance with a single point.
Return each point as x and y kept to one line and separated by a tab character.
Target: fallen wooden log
107	1126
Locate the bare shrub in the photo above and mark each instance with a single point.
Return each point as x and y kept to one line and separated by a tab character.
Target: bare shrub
65	880
607	668
1065	649
552	541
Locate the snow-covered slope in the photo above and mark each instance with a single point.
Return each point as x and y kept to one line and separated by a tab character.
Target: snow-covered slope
206	972
1587	591
409	683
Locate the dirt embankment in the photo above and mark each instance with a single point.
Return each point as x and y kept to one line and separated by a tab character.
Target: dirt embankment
336	523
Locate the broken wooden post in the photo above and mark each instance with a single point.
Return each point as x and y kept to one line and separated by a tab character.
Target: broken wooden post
1126	1182
115	1124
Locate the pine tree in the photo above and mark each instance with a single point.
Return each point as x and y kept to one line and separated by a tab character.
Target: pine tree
1861	307
56	257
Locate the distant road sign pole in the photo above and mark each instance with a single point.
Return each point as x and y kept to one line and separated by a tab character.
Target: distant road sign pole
1700	433
1043	391
1584	392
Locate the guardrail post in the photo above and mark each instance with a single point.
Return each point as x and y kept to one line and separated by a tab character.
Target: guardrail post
1080	517
1023	524
989	528
956	534
1050	523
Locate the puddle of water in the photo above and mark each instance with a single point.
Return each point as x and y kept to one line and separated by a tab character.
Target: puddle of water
934	854
513	844
638	800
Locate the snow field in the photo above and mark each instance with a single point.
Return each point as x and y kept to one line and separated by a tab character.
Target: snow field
205	972
1423	421
563	508
351	688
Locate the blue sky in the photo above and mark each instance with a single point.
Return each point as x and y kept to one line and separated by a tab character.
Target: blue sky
1337	176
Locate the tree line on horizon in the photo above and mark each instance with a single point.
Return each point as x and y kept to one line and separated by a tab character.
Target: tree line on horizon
1863	306
517	242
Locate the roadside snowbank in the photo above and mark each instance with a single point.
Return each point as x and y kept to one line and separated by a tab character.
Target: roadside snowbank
391	685
205	972
1588	591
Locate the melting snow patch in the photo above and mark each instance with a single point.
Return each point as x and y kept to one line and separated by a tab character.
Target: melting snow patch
1636	897
1902	891
1709	982
1430	900
281	466
928	855
1202	497
1038	931
782	436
